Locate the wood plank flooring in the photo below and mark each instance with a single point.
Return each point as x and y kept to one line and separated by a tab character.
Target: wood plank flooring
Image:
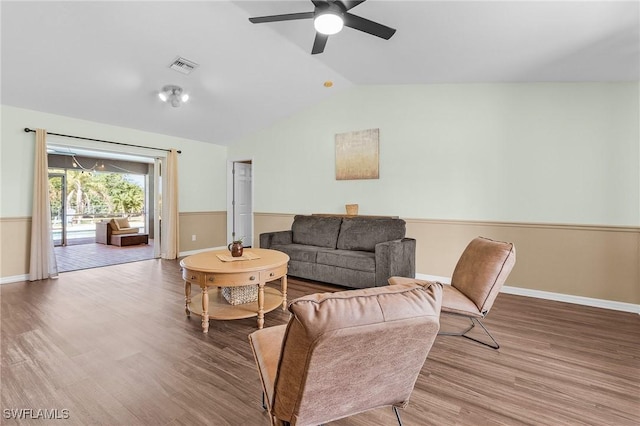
113	347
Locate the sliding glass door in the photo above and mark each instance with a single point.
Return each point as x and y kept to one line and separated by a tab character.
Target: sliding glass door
58	199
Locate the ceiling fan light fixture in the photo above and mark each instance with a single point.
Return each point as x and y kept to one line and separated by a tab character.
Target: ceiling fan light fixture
173	95
329	17
328	23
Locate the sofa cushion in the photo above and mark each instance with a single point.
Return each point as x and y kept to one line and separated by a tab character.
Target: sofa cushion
350	259
364	233
344	277
299	252
316	230
123	223
124	231
120	223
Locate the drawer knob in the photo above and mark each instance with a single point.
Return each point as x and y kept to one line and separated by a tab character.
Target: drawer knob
271	274
193	277
252	278
211	279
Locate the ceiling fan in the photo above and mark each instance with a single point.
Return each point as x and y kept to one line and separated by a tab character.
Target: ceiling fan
329	16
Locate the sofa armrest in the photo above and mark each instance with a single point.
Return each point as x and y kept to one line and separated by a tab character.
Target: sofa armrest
103	232
269	239
395	258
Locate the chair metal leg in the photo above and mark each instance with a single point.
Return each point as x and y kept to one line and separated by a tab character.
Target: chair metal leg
473	324
397	413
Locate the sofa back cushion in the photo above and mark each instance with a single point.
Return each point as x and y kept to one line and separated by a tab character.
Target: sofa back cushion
360	233
316	230
119	223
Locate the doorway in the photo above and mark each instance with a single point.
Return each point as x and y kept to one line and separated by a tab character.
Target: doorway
88	187
240	202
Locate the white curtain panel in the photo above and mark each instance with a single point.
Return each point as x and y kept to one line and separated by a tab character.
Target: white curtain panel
42	262
170	227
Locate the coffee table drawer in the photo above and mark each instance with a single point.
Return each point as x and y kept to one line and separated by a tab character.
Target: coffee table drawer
230	280
192	276
274	273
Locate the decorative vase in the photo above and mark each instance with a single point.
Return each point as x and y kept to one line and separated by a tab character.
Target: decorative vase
235	248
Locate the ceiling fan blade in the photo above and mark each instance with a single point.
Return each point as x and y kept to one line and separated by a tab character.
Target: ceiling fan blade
285	17
350	4
319	43
317	3
367	26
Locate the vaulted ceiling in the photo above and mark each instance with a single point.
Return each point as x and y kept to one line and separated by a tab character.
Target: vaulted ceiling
106	61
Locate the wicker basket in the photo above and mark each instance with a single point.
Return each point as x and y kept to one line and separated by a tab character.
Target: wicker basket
240	295
352	209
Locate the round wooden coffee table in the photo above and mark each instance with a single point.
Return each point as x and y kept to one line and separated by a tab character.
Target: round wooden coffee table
213	274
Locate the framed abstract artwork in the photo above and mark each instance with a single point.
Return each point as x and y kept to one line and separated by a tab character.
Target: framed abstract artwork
357	155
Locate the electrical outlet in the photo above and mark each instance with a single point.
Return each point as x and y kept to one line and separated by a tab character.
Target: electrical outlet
193	238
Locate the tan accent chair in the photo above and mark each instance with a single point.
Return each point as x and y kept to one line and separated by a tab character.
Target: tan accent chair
344	353
117	226
477	279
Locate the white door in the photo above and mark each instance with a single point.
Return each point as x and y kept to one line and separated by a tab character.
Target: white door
242	208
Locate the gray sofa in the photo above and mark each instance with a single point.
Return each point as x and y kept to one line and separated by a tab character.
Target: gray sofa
354	252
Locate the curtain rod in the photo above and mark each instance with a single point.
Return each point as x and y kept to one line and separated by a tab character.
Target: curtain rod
27	130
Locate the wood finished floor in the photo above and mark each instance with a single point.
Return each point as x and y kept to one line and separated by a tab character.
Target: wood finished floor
113	347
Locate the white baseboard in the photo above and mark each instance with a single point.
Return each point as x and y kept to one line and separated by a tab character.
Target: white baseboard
558	297
14	279
190	252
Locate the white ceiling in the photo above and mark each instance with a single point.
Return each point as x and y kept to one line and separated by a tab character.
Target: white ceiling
106	61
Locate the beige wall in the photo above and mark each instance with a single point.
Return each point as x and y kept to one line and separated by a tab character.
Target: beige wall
208	227
596	262
15	240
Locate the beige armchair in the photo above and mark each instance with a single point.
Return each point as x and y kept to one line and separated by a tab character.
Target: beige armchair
347	352
117	226
477	279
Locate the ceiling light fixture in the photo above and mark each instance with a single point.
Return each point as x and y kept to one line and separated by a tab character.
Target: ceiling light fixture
173	94
329	20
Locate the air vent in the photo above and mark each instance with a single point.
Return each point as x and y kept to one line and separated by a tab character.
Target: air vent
183	65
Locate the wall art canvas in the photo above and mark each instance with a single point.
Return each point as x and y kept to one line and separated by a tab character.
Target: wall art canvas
357	155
